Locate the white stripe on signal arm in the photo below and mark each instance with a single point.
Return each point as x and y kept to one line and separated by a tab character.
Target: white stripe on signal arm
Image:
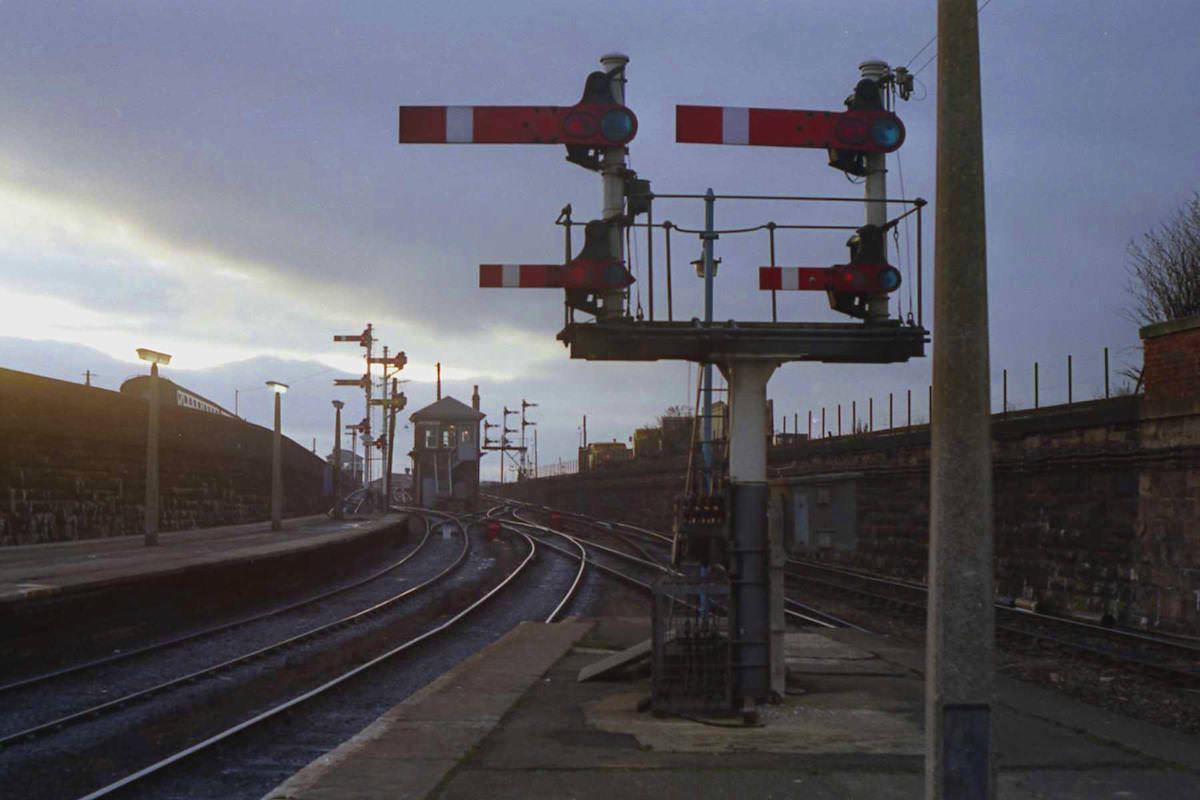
510	276
790	278
735	125
460	124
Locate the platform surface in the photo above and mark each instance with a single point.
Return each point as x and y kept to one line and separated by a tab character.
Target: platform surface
498	727
28	571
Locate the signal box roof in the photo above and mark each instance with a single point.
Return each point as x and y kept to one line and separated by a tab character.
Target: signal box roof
447	410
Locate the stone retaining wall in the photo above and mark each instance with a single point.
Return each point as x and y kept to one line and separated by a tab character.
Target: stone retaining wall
73	465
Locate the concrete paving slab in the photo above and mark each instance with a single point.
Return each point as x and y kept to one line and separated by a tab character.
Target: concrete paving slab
791	727
814	654
690	784
1094	784
798	644
617	661
1023	741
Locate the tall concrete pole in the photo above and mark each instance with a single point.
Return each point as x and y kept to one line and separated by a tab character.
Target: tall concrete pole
749	563
151	537
612	171
959	630
337	459
277	471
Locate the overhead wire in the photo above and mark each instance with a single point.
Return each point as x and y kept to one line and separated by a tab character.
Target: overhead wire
933	57
899	165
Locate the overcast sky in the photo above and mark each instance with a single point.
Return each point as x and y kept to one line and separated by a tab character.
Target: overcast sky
221	181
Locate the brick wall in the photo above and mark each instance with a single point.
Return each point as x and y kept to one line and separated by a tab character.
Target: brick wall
1168	521
1171	363
73	462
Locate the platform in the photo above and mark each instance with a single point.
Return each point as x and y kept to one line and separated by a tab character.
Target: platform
39	570
65	602
514	722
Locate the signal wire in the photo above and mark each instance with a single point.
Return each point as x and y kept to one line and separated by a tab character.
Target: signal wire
933	57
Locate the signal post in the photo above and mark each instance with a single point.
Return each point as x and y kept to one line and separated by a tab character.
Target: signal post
596	132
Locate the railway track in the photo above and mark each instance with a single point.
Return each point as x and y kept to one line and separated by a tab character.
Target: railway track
93	735
1176	661
795	611
58	723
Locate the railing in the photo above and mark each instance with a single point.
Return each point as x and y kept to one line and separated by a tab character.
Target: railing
559	467
854	418
709	233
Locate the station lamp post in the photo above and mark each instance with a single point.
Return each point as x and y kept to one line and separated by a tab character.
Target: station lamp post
155	358
337	459
277	460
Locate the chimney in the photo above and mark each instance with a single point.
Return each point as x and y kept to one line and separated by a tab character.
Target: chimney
475	397
439	380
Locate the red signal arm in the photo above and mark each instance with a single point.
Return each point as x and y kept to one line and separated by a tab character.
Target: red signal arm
575	125
578	274
838	278
774	127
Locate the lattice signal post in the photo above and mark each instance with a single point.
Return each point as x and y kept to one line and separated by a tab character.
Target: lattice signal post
503	446
596	132
366	340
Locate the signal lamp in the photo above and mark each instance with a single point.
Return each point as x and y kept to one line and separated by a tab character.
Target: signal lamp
618	125
886	132
889	279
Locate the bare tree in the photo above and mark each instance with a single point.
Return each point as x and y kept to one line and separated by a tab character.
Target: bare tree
1164	269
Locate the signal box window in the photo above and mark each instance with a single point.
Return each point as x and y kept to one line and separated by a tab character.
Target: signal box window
430	436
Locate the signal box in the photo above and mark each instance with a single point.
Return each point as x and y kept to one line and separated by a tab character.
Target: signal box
445	454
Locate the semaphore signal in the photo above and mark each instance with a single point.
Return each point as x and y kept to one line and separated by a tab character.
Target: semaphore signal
877	131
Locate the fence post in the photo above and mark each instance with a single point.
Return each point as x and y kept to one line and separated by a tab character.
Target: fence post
909	393
839	419
1070	385
870	415
1035	385
1004	412
823	428
853	417
810	423
1106	373
891	415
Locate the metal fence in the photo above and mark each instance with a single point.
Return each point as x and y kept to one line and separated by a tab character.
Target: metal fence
898	411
